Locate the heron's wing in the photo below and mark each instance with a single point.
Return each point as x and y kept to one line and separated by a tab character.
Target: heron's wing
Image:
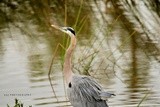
86	92
89	89
85	88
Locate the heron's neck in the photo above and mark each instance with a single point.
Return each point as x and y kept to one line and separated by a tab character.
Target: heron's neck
67	62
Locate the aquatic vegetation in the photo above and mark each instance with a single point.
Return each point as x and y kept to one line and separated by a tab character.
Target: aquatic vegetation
18	103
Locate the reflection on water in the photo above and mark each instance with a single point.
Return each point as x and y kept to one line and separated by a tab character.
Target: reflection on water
117	47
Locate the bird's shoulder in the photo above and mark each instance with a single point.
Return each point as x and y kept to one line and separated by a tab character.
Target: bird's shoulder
84	80
85	87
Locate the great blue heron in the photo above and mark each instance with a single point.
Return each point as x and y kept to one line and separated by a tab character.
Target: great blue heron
82	91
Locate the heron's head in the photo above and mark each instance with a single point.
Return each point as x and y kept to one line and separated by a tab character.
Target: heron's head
68	30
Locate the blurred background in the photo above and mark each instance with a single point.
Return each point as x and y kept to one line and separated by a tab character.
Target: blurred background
118	45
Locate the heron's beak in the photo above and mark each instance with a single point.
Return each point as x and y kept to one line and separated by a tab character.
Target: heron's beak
56	27
63	29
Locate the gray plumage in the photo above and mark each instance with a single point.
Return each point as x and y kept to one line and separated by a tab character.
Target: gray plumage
85	92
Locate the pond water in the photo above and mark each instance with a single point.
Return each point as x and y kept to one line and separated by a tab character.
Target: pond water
120	58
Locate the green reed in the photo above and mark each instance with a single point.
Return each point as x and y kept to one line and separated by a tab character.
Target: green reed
18	103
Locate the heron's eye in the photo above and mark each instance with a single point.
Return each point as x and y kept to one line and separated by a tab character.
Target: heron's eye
70	85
